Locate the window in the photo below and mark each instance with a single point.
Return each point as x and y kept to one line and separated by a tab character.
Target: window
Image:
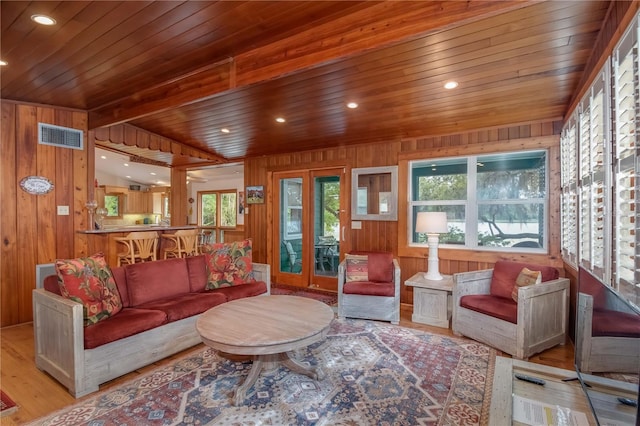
593	141
603	130
112	202
626	165
217	209
492	201
292	207
569	202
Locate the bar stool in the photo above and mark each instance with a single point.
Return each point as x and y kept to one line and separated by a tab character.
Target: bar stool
185	243
141	246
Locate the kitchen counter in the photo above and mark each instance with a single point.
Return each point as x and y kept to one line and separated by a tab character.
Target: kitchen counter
104	240
135	228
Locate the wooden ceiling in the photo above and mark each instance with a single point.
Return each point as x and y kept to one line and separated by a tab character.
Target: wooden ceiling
185	70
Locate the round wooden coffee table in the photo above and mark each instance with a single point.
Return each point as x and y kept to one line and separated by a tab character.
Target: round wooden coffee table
266	327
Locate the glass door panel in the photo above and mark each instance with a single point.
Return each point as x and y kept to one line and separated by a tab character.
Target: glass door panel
328	216
291	209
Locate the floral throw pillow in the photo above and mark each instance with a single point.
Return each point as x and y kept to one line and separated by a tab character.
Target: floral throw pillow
357	268
525	277
88	280
228	264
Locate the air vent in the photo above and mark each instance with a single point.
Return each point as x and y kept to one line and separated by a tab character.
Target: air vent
63	137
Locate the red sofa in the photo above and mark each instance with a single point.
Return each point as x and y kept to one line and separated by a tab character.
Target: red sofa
161	303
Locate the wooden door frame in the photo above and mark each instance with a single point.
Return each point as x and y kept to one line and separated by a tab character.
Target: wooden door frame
273	223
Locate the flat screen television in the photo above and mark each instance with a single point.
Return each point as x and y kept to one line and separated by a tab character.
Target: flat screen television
607	350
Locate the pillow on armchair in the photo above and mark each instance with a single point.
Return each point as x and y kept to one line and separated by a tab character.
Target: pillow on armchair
357	268
379	266
505	274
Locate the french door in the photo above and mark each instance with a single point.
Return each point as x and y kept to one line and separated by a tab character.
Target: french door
308	216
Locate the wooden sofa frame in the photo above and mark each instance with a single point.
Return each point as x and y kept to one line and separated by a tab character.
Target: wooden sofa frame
602	353
543	314
369	307
59	342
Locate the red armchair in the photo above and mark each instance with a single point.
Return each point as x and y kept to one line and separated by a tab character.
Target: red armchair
369	287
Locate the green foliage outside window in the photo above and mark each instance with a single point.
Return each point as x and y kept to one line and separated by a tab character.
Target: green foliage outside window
508	192
112	204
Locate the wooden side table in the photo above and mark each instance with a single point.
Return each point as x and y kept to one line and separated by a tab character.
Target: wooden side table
431	299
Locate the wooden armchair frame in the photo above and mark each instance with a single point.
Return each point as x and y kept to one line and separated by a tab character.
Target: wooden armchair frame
543	313
602	353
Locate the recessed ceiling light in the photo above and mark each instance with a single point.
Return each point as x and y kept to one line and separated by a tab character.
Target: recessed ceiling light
126	164
43	19
280	120
104	157
3	63
152	173
352	105
225	130
451	85
128	177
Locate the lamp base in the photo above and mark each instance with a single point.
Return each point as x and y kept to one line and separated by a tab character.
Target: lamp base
433	276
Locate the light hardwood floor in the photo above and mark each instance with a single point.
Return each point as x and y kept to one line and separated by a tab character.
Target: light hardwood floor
37	394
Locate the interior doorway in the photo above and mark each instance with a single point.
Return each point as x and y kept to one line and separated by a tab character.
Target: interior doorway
309	217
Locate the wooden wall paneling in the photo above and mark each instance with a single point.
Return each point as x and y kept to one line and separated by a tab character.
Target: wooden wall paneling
83	185
178	201
46	218
27	210
384	236
67	192
32	231
8	218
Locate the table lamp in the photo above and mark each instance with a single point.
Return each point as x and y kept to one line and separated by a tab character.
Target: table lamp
433	224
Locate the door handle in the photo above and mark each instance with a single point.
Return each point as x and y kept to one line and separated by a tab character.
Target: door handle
343	228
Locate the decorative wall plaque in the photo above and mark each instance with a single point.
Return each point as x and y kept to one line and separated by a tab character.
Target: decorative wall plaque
37	185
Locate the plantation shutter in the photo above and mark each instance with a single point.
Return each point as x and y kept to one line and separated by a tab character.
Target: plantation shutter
593	191
569	179
626	167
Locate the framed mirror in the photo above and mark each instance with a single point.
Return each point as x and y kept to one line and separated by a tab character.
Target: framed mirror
374	193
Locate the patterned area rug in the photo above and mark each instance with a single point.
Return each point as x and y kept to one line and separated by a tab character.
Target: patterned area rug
374	374
328	297
7	406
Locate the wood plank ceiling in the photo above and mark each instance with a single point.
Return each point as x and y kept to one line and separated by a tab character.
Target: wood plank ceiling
186	70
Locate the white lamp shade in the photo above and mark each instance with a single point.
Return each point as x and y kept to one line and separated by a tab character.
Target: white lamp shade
432	223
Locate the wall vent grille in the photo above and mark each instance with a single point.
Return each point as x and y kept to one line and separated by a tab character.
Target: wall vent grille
63	137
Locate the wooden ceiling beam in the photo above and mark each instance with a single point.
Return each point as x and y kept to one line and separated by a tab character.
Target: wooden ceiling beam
382	24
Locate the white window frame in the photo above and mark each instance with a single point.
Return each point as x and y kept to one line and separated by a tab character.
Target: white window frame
471	204
618	266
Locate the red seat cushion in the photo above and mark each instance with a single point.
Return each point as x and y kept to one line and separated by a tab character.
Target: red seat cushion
186	305
125	323
607	323
504	308
506	272
239	291
369	288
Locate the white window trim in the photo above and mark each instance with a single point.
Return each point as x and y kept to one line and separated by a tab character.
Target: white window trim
471	207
